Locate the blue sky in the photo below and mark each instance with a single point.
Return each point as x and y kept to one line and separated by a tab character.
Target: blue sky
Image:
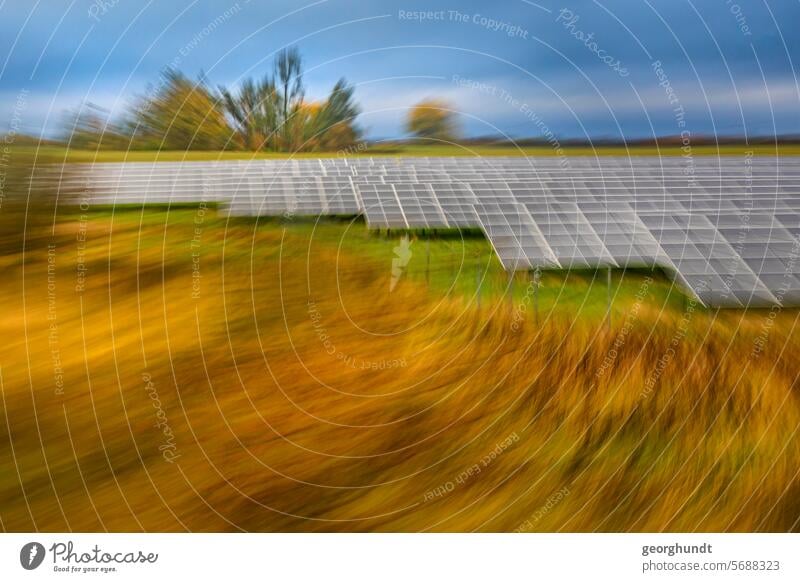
580	69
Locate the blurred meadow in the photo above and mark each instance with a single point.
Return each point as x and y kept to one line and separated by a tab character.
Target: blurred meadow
171	369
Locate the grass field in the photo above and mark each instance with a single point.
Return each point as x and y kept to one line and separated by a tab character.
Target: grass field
73	155
178	370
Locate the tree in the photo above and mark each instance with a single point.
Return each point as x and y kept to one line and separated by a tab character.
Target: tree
270	113
89	128
255	111
432	119
289	73
182	115
335	126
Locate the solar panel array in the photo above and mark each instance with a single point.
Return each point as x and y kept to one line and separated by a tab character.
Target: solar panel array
726	227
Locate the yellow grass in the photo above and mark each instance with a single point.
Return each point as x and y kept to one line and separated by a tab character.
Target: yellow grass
62	154
671	420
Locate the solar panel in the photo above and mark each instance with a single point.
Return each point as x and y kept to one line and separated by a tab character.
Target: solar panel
516	239
340	195
726	228
457	203
381	206
569	234
420	206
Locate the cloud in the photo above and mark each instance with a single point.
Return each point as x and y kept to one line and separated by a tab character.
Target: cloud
500	102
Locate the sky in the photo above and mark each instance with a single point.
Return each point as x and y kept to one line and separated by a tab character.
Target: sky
585	69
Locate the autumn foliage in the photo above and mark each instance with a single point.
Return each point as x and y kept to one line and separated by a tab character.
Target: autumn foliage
432	120
179	113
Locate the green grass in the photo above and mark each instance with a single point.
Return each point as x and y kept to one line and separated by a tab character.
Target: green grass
451	263
456	263
73	155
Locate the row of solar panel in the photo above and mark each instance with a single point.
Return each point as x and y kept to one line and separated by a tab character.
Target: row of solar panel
732	261
374	166
98	182
729	232
421	161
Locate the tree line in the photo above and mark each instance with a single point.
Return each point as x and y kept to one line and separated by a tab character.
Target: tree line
270	113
